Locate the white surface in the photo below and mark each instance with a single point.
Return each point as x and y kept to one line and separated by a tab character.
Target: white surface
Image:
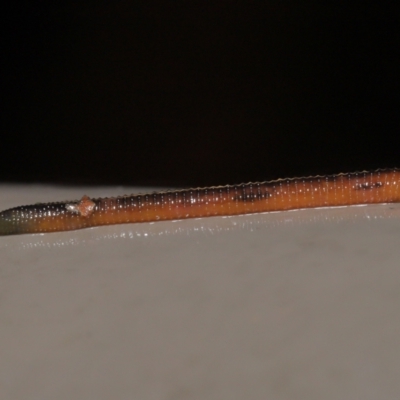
294	305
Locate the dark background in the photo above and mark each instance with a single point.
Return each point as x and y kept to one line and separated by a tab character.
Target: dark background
189	93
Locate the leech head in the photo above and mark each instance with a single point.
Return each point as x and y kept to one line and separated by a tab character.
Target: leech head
84	208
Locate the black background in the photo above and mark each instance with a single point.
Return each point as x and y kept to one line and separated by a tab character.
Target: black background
189	93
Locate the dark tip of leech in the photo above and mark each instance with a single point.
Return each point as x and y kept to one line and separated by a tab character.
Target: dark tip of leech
7	223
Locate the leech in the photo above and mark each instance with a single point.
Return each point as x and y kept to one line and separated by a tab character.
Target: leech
381	186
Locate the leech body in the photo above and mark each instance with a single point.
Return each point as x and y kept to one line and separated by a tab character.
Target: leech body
382	186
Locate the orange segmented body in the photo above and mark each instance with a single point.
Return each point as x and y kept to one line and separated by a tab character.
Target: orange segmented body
382	186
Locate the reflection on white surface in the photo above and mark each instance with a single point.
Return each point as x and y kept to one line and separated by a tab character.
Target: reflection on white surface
292	305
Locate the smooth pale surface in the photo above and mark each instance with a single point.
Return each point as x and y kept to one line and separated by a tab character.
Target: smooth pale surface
293	305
